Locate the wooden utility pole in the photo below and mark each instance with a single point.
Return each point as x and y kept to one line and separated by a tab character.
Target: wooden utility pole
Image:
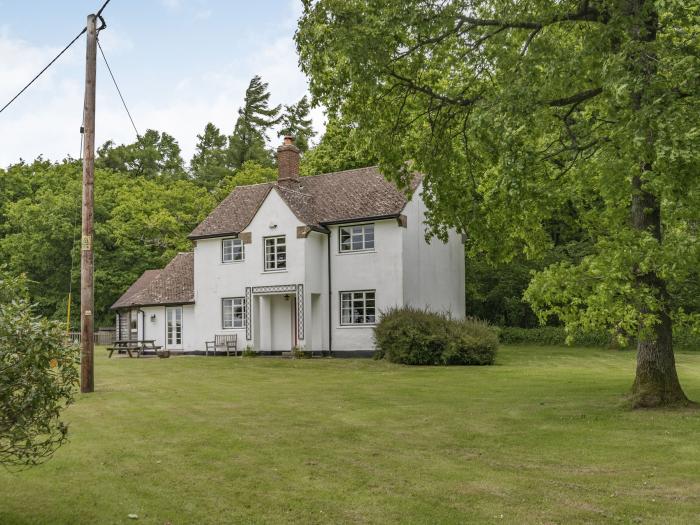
87	293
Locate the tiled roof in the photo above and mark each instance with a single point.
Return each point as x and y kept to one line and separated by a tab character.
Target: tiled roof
174	284
322	199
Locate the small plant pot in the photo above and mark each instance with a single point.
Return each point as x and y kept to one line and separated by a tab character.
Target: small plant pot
163	354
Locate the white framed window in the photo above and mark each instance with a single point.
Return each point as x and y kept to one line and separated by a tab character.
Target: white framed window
275	253
232	250
233	312
356	238
357	307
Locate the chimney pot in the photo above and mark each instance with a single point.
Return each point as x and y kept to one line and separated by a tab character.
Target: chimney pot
288	157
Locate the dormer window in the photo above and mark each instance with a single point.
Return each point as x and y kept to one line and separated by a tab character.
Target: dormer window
357	238
232	250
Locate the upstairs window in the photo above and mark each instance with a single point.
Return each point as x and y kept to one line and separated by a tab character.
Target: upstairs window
233	312
357	238
275	253
232	250
357	307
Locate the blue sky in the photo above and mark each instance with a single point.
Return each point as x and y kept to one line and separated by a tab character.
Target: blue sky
180	64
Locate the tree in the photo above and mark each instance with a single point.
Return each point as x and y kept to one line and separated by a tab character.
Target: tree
517	110
38	376
209	164
342	147
250	173
140	223
255	118
297	123
153	156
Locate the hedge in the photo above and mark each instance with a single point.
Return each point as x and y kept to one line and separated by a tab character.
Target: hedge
420	337
556	336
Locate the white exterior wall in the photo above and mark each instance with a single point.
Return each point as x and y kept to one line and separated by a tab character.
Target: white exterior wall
316	292
155	328
214	280
380	269
433	274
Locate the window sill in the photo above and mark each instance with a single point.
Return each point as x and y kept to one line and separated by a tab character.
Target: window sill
224	263
355	252
367	325
273	271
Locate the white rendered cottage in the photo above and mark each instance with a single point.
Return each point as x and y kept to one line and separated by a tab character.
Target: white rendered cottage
303	261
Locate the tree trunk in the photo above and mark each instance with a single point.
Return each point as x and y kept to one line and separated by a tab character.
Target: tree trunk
656	383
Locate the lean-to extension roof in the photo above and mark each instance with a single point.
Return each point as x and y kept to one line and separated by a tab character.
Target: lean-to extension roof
342	196
174	284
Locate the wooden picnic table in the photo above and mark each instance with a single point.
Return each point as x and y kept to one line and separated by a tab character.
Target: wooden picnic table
133	345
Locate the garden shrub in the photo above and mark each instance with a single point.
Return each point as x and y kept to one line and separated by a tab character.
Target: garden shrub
419	337
38	376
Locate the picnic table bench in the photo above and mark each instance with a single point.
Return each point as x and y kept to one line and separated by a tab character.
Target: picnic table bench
132	345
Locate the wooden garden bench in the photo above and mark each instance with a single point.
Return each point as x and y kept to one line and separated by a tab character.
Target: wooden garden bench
228	342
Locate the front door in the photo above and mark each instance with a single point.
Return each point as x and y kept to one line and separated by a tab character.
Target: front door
173	328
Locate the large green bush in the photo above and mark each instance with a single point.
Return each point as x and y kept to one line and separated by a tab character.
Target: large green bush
420	337
38	376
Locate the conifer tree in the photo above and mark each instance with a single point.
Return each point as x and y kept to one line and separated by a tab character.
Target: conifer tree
297	123
255	118
209	164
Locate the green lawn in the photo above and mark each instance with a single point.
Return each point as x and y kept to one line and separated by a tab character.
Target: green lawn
542	437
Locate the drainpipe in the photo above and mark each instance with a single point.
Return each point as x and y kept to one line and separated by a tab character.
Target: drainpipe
330	299
143	325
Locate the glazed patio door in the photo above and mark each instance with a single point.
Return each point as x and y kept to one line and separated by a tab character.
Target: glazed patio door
173	328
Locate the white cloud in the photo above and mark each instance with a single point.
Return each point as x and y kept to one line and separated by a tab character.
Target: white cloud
46	119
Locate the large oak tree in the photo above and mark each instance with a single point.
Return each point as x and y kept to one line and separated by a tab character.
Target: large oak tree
518	110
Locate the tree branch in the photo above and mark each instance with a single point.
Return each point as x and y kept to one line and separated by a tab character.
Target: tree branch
585	14
577	98
466	102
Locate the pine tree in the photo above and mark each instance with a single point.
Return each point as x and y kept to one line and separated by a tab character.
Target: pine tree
255	118
209	164
297	123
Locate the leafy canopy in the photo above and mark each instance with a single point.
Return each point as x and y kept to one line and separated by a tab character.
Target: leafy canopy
154	155
516	111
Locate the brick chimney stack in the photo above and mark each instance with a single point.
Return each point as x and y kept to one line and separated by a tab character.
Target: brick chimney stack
288	156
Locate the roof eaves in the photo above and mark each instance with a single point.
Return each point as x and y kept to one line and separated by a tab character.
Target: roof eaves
360	219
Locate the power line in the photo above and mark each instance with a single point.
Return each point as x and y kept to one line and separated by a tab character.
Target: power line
42	71
54	60
102	8
117	86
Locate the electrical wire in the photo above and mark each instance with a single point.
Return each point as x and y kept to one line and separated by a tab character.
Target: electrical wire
102	8
54	59
118	90
43	70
